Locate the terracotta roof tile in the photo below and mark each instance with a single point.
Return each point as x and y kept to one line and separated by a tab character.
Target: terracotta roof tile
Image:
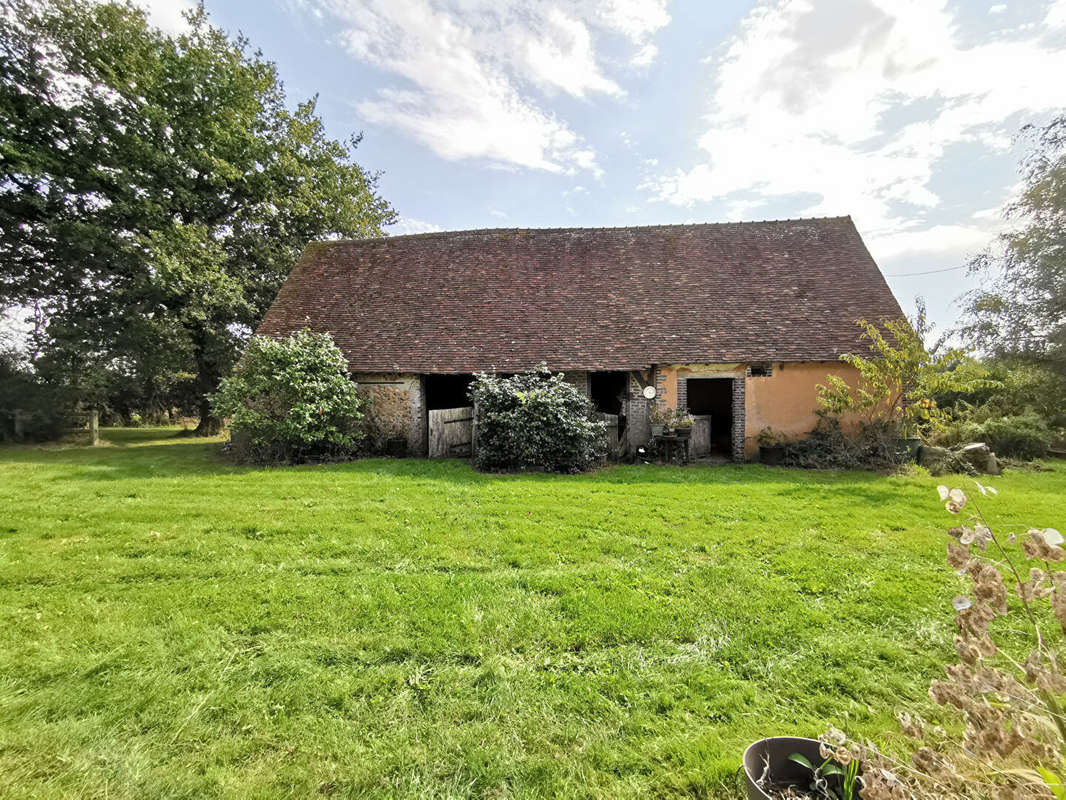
589	298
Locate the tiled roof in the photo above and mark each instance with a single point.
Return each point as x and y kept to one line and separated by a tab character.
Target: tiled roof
589	298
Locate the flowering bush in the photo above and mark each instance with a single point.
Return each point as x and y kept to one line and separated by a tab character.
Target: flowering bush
291	400
535	420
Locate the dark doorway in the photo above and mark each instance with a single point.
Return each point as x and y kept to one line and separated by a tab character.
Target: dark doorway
447	391
714	396
607	391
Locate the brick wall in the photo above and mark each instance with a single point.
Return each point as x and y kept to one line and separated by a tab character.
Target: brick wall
638	429
739	418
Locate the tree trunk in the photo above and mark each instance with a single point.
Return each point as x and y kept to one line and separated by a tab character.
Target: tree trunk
209	424
208	378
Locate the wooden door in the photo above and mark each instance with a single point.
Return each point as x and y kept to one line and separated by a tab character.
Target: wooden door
699	442
451	432
612	434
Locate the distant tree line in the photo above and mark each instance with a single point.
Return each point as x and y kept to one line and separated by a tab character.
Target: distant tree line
155	191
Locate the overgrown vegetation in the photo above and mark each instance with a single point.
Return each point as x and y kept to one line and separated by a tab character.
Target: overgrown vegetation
291	400
867	424
174	625
900	379
1023	436
874	444
535	421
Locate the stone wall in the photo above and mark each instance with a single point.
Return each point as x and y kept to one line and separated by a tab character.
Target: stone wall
394	406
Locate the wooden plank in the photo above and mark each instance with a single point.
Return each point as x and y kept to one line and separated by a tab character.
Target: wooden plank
612	433
451	432
699	442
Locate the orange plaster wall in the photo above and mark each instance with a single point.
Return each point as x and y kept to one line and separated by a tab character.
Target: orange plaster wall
786	401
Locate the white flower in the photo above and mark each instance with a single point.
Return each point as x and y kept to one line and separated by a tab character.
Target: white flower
961	602
1052	536
943	490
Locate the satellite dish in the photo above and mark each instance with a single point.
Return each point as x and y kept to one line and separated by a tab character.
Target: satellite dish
649	392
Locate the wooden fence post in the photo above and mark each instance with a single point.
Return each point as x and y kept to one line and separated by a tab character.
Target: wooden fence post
94	427
473	434
20	425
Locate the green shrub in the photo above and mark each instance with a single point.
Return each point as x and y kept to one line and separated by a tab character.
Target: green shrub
1025	436
535	421
291	400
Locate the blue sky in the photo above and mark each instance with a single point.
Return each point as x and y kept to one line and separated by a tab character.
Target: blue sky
902	113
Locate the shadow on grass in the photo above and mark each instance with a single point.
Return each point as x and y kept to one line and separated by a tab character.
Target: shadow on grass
147	453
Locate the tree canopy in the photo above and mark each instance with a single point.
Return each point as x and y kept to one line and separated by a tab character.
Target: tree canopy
155	190
1020	314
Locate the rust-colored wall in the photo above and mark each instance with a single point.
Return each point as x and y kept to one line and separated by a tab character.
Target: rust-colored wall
786	401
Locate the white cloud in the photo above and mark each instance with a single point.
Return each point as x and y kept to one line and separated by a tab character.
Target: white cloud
999	8
407	225
471	72
958	240
1056	14
167	14
846	107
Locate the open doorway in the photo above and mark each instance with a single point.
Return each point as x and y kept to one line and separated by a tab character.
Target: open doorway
607	392
447	391
449	415
714	396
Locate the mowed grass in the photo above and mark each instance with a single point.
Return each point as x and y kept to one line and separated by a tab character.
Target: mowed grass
174	626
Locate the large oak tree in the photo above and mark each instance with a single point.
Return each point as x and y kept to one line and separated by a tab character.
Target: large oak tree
155	190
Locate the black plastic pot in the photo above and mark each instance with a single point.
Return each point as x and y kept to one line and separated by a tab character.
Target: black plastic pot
769	758
908	447
772	454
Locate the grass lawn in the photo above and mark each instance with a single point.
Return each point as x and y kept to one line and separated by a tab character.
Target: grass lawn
174	626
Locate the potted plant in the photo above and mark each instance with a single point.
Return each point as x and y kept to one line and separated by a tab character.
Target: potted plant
922	410
772	446
682	424
797	768
659	417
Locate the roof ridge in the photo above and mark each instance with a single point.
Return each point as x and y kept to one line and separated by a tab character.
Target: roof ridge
488	231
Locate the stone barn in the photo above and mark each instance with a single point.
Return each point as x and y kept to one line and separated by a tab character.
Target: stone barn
736	323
